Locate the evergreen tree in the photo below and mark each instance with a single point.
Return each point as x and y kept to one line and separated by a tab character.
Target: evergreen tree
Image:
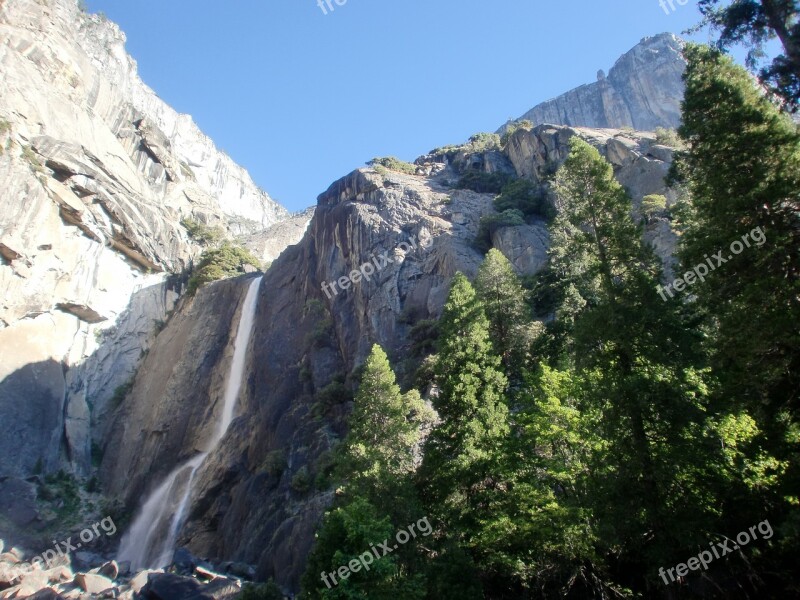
473	416
499	289
378	454
375	464
633	352
463	454
743	172
755	23
743	169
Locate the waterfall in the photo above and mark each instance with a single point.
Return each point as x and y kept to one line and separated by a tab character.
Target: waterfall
150	541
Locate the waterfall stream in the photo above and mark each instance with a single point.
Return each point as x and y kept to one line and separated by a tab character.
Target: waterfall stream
150	541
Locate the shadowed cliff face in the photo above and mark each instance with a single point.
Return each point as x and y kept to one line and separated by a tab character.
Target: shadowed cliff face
176	398
259	497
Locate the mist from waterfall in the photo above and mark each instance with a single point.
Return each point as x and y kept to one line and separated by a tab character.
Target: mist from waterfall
150	541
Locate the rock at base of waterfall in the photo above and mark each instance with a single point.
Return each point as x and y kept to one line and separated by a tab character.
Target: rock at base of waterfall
47	594
166	586
92	583
140	581
109	569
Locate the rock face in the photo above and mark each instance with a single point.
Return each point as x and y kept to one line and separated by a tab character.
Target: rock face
260	495
268	244
643	90
96	176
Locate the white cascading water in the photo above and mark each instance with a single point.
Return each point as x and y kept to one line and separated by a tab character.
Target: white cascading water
150	541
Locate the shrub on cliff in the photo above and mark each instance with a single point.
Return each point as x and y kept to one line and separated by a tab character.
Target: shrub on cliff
202	233
220	263
526	197
393	164
491	223
483	183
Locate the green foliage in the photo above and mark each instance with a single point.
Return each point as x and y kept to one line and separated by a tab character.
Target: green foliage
261	591
374	463
120	393
491	223
97	454
60	494
511	128
480	142
346	533
754	302
653	205
499	290
202	233
483	142
483	183
423	336
669	137
321	333
393	164
332	395
275	463
33	159
301	481
460	450
220	263
755	23
525	196
384	428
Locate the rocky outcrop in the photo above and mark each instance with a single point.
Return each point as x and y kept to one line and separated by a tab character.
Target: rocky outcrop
643	90
96	176
268	244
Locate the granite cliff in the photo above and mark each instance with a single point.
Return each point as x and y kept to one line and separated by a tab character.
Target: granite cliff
114	364
261	494
643	90
97	178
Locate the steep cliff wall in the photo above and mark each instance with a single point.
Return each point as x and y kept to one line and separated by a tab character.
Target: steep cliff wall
261	494
96	175
643	90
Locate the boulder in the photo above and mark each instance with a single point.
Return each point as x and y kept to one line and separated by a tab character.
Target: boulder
219	589
140	580
93	584
46	594
59	574
110	570
166	586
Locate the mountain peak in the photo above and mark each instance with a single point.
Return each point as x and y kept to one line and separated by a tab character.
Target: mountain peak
643	90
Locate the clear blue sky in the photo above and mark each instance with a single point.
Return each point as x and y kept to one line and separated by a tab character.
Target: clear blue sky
301	98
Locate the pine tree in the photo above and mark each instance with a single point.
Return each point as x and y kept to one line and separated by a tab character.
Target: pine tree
384	432
633	353
743	169
755	23
375	465
470	401
499	289
743	173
